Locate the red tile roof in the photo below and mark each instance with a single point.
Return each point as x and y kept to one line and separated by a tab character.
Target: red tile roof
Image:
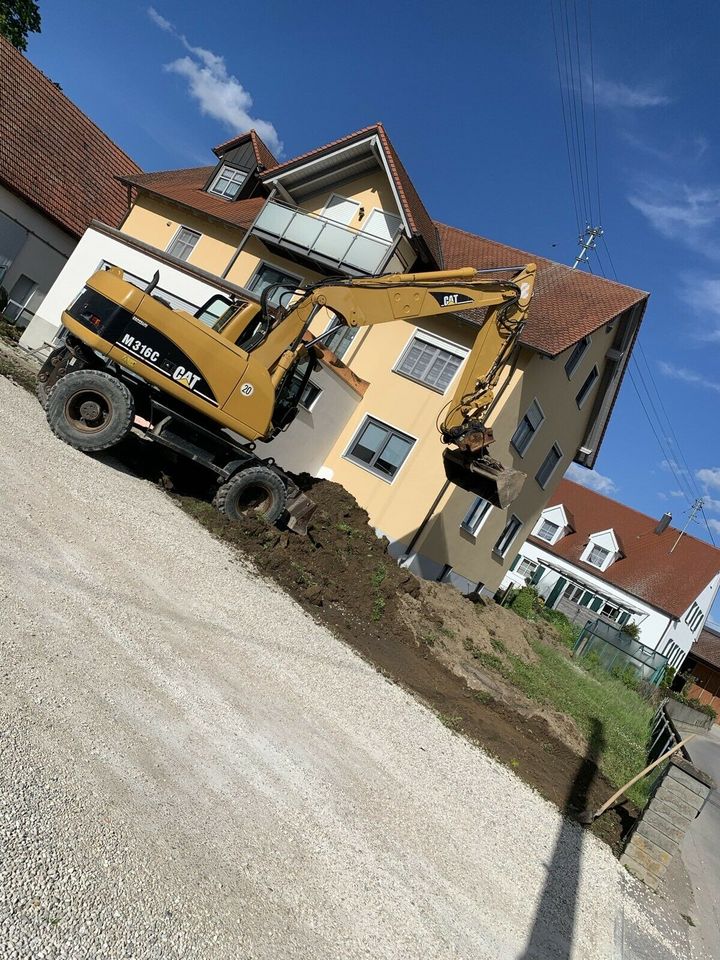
668	581
52	155
567	305
187	187
707	647
263	155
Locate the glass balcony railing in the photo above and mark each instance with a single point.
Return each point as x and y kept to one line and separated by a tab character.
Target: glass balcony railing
319	238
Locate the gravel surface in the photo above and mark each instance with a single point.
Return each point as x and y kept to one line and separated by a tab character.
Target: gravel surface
192	767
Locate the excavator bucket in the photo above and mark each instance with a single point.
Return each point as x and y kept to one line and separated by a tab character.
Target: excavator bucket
300	509
483	476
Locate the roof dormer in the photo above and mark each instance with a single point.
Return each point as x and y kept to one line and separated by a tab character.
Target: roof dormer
240	163
553	523
602	549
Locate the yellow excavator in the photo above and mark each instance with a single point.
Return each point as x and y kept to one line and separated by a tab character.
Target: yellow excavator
208	385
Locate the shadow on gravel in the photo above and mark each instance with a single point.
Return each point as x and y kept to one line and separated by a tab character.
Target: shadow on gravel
552	933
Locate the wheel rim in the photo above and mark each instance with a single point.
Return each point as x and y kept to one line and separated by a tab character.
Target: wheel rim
88	411
254	499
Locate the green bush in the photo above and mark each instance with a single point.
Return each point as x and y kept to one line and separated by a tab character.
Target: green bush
568	631
527	604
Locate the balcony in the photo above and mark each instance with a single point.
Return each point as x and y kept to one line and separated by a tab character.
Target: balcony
308	236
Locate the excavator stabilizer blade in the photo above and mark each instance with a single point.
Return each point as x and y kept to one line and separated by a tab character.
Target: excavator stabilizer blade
484	477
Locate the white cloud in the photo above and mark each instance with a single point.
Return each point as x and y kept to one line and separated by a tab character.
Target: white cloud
160	21
678	494
218	93
672	466
609	93
712	504
590	478
714	525
709	477
688	376
680	211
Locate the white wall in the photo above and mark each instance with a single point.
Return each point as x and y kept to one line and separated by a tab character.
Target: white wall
93	248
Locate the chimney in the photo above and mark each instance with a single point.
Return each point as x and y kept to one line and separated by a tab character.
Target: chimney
663	523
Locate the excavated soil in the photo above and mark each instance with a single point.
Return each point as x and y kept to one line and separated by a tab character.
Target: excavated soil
427	637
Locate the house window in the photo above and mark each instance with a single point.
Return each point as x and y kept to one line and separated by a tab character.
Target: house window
16	310
341	209
548	465
573	592
597	557
526	568
476	515
310	395
340	339
610	611
547	531
576	356
527	428
587	387
227	182
380	448
430	361
183	243
506	538
285	284
382	224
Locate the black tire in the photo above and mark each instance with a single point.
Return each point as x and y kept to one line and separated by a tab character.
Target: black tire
90	410
256	489
42	393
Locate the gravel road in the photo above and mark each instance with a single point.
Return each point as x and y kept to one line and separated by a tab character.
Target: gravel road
191	767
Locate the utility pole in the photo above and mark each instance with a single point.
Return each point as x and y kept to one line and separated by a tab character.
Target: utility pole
588	242
698	504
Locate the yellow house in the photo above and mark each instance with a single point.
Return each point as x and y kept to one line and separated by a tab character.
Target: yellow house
350	208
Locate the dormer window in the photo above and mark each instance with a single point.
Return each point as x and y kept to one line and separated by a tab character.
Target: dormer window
547	531
227	182
598	557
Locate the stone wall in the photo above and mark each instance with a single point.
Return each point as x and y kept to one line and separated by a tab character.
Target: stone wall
677	799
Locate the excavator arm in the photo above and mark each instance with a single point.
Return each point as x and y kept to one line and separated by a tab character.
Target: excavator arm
462	423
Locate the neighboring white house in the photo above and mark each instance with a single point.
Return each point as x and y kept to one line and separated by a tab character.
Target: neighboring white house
592	557
58	171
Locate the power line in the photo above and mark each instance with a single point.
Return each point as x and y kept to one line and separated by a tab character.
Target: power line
702	511
578	221
594	110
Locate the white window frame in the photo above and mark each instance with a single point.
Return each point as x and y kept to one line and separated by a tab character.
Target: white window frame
369	418
233	171
386	213
576	355
310	407
474	528
528	573
434	341
521	453
605	560
176	235
271	266
22	306
595	375
501	549
341	223
555	446
555	532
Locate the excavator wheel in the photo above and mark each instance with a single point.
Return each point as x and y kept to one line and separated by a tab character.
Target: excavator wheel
254	490
90	410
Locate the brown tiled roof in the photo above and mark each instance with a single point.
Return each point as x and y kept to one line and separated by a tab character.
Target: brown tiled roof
667	581
52	155
418	218
263	155
567	305
187	187
707	647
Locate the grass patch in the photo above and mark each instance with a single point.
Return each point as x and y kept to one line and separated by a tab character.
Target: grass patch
589	694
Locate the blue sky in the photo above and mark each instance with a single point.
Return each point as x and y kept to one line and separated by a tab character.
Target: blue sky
469	94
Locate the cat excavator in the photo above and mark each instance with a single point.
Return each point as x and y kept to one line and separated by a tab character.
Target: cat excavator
209	385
